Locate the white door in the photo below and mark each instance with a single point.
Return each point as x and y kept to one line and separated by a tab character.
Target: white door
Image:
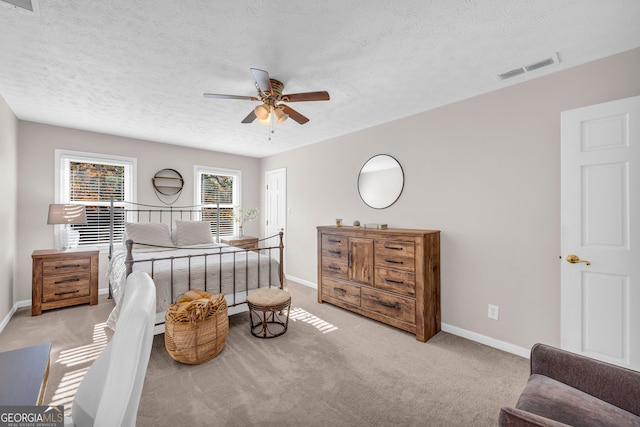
275	201
600	223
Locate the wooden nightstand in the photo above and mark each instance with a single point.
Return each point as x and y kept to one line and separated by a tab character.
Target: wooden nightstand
63	278
246	242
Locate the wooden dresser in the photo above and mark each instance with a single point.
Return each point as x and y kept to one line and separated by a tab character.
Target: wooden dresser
391	275
63	278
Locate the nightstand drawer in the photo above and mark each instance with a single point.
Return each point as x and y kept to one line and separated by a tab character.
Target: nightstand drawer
56	288
66	266
62	278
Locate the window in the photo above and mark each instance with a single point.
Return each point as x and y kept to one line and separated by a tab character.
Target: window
93	180
218	188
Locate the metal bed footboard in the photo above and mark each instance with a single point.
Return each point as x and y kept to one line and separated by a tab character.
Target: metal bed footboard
150	213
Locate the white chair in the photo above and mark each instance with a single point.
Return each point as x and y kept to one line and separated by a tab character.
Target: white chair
109	393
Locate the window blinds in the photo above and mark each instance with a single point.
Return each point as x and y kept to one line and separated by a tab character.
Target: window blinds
217	191
94	184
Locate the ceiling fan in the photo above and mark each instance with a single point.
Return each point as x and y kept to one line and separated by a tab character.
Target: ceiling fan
271	98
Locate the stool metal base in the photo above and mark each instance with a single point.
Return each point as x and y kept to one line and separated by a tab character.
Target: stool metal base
269	321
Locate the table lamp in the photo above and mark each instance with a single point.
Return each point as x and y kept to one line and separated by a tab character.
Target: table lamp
65	215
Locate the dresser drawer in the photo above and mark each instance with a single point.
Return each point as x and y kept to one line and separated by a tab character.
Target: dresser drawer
397	281
66	266
61	287
341	291
399	308
334	246
395	254
335	267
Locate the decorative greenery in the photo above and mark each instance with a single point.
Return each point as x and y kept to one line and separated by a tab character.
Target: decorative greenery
241	216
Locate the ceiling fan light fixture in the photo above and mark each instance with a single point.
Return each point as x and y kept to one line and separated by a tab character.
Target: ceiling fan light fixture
262	112
269	94
267	121
280	115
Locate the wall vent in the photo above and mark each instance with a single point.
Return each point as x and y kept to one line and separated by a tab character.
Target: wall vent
512	73
26	6
529	68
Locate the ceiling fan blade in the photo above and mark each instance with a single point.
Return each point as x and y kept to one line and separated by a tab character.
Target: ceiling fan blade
294	114
262	79
250	117
220	96
306	96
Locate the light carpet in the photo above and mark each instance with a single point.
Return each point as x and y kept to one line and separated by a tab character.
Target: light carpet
331	368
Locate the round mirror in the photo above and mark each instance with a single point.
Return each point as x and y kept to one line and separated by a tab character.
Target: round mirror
380	181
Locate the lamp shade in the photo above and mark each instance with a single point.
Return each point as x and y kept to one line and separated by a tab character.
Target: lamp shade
262	111
281	116
67	214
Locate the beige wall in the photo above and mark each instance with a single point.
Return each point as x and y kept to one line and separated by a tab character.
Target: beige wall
484	171
36	164
8	189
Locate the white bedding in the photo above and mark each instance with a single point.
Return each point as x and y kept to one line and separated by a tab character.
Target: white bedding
224	265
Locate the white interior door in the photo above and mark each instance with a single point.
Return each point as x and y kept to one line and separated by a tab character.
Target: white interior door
600	224
275	201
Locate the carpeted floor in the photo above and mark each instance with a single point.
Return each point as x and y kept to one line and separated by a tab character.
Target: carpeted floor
331	368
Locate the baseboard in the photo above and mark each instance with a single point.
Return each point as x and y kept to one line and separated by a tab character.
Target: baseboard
454	330
302	281
483	339
16	306
27	303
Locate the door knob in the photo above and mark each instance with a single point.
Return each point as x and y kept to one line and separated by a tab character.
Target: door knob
574	259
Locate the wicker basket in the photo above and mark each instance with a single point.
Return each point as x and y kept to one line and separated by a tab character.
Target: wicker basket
196	327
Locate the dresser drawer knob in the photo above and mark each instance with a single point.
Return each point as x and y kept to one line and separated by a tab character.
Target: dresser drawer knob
59	282
333	267
391	261
388	304
340	291
394	281
335	252
395	248
334	241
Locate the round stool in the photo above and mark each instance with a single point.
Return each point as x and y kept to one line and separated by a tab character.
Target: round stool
266	312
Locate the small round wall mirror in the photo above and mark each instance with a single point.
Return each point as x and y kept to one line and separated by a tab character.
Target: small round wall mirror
380	181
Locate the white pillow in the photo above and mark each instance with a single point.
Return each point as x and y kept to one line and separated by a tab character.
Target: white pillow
193	233
149	233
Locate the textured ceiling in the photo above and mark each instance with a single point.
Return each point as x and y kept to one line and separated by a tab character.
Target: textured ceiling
139	68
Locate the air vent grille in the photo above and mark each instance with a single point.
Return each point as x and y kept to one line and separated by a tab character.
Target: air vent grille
545	63
23	5
529	68
511	73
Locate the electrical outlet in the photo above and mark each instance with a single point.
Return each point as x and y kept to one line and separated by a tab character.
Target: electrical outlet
493	312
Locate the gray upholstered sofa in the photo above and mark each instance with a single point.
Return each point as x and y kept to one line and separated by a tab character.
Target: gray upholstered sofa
567	389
